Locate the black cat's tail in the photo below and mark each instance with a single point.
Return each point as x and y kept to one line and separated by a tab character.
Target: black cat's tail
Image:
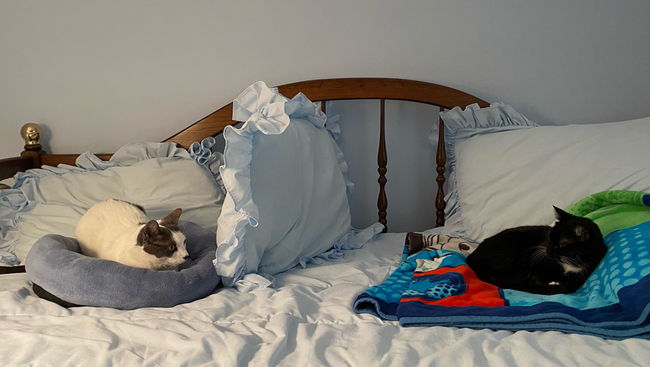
12	269
414	243
38	290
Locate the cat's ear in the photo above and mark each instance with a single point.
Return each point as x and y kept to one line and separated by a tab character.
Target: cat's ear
150	229
561	214
171	220
582	233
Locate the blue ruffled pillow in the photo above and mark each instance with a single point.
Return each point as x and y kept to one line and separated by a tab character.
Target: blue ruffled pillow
287	190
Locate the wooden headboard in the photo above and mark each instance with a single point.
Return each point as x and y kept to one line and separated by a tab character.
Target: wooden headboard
316	90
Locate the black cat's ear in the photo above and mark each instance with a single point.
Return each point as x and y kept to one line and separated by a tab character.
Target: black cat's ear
171	220
561	214
582	233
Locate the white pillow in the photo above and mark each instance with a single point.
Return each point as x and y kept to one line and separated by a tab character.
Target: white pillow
511	175
286	199
158	176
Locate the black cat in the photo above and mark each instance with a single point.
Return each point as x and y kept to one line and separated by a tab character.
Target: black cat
541	259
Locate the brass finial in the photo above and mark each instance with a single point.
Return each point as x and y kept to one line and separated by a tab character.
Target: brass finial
32	134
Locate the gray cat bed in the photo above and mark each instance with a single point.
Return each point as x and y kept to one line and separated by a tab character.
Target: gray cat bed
62	274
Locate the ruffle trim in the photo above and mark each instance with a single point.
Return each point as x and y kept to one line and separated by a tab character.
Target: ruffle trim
354	240
469	122
16	201
203	155
351	241
334	129
264	110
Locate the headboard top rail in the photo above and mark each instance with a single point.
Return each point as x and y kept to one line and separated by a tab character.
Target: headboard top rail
339	89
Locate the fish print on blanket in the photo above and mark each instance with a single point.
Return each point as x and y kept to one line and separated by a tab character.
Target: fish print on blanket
382	300
437	287
416	242
443	278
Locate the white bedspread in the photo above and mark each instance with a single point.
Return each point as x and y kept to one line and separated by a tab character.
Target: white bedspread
306	321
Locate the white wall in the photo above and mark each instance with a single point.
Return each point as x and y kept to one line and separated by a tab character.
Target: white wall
99	74
411	187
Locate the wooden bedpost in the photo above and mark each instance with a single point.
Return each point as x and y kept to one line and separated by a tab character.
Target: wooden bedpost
32	134
441	161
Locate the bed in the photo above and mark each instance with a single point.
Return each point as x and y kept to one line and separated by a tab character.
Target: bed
305	305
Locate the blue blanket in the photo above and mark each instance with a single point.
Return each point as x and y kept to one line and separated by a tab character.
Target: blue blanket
438	288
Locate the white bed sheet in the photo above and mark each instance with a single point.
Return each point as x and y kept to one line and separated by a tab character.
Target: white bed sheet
306	321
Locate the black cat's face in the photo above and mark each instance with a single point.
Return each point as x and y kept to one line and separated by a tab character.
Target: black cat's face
574	240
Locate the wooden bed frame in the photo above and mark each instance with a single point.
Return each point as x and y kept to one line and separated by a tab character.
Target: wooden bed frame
318	91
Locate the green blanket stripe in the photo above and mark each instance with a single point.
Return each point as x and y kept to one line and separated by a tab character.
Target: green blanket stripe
613	210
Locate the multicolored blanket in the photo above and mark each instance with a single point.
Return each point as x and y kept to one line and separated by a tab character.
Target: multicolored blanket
437	287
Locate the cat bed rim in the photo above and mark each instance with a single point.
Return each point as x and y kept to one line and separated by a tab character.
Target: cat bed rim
56	265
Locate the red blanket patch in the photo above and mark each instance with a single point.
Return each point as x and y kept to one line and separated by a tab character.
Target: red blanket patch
452	286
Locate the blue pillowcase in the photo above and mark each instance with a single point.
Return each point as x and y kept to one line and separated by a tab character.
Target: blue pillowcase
287	190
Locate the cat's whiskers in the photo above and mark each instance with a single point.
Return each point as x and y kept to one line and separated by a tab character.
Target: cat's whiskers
572	265
571	261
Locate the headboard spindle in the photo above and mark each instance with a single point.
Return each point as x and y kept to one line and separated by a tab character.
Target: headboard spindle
382	161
